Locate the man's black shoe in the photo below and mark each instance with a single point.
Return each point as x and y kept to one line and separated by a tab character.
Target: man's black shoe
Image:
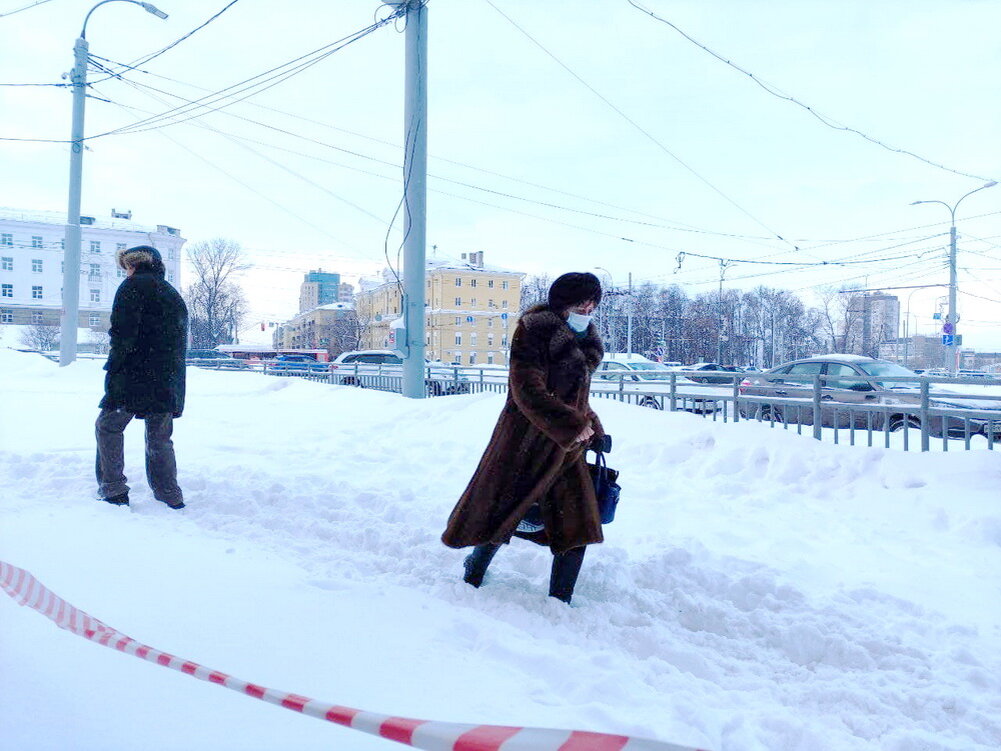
118	500
177	505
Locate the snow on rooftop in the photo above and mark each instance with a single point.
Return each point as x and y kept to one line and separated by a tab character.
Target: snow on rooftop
59	218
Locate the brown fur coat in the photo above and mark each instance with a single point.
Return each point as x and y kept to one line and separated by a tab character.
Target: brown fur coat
532	456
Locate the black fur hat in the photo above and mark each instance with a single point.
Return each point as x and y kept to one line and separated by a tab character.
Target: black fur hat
572	289
142	258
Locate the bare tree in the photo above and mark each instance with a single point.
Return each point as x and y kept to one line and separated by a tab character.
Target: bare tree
40	336
100	340
216	303
535	290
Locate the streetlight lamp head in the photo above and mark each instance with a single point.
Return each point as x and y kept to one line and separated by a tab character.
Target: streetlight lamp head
915	203
150	8
991	184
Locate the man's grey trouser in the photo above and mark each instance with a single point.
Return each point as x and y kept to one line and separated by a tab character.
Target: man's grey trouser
161	466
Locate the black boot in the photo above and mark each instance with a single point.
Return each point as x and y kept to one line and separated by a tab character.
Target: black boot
566	567
476	563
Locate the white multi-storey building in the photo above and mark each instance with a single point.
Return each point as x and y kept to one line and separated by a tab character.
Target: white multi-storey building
31	263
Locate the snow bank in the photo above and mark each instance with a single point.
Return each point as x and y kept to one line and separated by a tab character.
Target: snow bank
759	590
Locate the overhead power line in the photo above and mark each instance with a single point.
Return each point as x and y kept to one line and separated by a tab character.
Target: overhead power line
278	75
146	58
642	130
829	122
26	7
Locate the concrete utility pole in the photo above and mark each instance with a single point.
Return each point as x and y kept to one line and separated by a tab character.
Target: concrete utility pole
629	321
71	255
866	325
719	314
415	195
950	329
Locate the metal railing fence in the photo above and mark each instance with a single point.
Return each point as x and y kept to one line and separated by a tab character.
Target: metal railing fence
871	412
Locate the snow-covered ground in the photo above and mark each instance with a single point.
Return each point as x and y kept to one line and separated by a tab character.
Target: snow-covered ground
759	590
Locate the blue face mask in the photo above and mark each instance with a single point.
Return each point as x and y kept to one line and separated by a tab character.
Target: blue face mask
578	322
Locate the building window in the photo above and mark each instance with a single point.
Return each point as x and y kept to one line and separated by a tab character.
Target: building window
6	239
458	282
472	358
490	340
458	320
170	276
504	285
95	269
36	241
503	303
7	263
37	316
473	302
490	358
119	247
458	337
36	292
95	246
458	302
95	319
490	283
490	323
121	273
6	316
472	282
95	295
504	340
6	290
62	243
170	255
36	265
472	339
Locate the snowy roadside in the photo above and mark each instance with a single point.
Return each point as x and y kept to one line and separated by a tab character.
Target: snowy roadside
758	591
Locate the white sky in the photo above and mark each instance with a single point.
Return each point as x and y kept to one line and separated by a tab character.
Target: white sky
917	74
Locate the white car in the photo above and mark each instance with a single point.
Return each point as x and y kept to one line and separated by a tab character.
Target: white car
636	373
364	367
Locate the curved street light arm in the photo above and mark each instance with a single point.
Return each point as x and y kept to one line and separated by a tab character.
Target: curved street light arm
148	7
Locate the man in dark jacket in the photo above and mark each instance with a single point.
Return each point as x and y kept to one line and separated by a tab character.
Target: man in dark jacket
149	329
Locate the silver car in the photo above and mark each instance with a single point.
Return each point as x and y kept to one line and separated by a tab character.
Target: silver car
846	389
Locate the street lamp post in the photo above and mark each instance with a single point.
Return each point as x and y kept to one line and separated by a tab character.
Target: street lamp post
71	255
952	350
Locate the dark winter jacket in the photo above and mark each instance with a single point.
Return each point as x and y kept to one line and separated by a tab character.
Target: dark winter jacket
149	329
532	456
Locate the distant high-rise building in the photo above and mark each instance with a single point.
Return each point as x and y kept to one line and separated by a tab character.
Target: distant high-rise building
319	288
884	316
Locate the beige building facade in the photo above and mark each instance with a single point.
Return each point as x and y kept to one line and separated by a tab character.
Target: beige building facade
324	327
471	311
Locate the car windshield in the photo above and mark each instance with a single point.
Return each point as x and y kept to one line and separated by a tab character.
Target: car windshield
881	368
653	371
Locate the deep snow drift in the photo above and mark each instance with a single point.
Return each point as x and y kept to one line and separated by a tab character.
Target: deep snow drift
759	590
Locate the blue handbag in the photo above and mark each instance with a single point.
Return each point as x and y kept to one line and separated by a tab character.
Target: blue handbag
606	487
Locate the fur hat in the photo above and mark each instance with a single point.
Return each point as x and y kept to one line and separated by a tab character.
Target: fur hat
572	289
141	258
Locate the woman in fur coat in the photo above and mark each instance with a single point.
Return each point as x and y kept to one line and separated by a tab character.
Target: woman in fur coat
536	452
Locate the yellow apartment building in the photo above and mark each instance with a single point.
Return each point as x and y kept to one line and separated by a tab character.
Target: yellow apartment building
471	309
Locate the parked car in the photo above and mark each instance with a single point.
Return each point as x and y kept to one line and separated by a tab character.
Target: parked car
847	385
211	358
296	364
354	368
652	379
711	366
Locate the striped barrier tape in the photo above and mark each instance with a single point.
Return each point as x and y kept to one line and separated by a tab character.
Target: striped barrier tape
25	589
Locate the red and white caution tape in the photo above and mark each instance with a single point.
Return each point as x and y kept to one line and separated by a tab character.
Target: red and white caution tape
425	734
